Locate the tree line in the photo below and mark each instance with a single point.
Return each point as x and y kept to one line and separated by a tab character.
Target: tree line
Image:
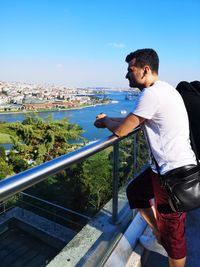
84	187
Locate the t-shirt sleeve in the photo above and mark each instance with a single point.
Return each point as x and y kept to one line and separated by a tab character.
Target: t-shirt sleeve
146	105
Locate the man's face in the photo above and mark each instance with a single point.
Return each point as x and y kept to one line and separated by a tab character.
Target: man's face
135	75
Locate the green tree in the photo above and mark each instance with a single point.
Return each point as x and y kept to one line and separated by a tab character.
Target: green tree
18	163
97	174
126	157
89	184
2	153
5	169
39	140
84	187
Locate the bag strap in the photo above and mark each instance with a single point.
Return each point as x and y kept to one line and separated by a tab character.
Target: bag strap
151	153
156	163
193	146
192	143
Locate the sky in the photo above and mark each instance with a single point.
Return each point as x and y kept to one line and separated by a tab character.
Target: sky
83	43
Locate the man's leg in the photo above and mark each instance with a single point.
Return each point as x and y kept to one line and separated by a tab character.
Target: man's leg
149	216
177	263
139	192
171	226
172	235
140	195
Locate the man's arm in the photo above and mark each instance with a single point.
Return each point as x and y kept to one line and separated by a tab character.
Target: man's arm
120	119
120	127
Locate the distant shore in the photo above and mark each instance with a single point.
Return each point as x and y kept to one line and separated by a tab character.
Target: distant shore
50	110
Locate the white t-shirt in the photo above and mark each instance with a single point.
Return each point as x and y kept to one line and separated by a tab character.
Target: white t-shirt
166	126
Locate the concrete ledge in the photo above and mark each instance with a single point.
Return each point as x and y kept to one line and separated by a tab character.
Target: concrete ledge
134	260
125	252
53	229
94	243
139	255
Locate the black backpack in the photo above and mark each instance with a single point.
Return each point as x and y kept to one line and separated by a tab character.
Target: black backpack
190	93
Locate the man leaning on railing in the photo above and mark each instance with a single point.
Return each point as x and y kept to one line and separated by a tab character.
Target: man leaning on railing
161	112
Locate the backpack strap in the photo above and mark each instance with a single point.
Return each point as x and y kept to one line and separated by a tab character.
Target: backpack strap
193	145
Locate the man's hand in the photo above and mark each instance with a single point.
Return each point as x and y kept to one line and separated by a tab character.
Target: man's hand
100	120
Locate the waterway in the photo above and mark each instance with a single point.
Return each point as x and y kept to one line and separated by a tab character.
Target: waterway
85	117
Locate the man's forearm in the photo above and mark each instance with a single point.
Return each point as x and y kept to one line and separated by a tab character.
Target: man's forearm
123	127
117	119
112	125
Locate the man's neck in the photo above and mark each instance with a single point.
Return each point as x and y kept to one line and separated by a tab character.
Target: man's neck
150	81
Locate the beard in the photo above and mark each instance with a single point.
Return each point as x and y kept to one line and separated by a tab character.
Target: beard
133	84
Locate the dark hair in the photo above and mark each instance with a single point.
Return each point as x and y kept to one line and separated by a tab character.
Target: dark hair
146	56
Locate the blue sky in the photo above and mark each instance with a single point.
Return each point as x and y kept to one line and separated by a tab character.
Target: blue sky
84	42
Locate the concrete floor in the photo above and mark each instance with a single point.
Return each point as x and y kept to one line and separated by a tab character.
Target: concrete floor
19	249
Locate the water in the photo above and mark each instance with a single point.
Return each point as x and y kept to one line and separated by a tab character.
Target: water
85	117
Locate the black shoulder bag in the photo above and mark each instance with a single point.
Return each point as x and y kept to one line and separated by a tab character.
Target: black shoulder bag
182	185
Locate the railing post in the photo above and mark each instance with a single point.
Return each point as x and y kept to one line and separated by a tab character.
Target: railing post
54	220
115	182
4	206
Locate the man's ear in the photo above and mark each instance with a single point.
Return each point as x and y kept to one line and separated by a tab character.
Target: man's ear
146	69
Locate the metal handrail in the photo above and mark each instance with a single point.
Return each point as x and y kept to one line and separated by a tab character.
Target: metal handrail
21	181
56	206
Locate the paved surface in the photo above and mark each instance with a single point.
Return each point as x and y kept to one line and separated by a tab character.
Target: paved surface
193	245
19	249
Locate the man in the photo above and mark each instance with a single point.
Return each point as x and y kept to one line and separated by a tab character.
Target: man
161	112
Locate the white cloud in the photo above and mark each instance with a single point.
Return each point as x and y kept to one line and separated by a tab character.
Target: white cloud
59	66
117	45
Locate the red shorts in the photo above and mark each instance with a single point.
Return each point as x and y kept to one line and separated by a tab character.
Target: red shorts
171	224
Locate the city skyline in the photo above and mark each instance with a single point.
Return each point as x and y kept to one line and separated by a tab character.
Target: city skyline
84	43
